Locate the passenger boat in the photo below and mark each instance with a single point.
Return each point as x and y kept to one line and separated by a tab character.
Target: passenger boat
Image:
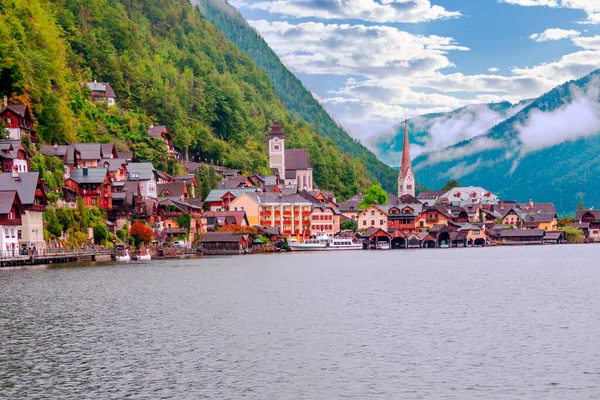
324	243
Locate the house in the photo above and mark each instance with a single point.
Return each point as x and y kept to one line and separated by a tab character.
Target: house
374	216
125	155
189	181
117	169
319	196
289	213
513	217
547	222
102	92
30	188
225	218
13	153
225	243
473	234
11	212
325	219
249	202
351	207
468	195
235	182
161	131
555	237
19	120
435	215
291	165
592	218
220	199
146	175
584	227
403	216
522	237
93	185
170	212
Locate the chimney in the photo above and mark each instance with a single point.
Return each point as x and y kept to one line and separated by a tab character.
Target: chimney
501	204
151	126
95	81
5	101
85	171
530	202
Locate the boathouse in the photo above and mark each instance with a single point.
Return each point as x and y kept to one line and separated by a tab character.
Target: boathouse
522	237
225	243
372	236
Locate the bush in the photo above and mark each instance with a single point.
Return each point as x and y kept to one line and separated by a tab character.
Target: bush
574	235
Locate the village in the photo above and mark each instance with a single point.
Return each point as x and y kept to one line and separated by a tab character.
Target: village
242	213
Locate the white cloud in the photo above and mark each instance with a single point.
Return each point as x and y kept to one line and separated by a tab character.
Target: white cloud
591	7
493	69
579	118
370	51
385	11
554	34
588	43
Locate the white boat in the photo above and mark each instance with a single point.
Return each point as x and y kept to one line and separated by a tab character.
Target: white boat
145	257
126	257
383	245
323	243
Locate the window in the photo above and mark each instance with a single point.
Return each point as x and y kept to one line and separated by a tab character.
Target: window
6	233
372	223
234	208
242	208
380	222
12	233
373	213
409	187
94	201
169	226
364	223
476	232
9	120
19	234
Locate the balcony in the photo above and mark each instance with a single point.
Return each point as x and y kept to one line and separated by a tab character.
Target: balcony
287	222
287	213
305	213
287	232
265	213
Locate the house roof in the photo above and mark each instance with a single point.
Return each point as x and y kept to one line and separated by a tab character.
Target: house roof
554	235
89	151
543	208
217	194
372	231
350	206
127	155
7	198
156	131
510	233
25	186
296	159
432	195
114	164
536	218
94	175
409	199
140	171
101	87
595	213
107	150
580	225
58	150
164	176
222	237
175	189
234	217
233	182
19	109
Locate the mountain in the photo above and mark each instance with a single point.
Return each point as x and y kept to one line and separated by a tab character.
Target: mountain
547	151
290	90
432	132
168	65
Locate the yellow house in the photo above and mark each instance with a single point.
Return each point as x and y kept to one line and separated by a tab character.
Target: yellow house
436	215
513	218
373	216
547	222
250	203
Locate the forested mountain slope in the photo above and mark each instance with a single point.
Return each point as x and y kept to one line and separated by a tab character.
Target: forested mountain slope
168	65
548	151
289	88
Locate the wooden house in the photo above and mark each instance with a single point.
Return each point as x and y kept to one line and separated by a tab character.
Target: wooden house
225	243
19	120
93	185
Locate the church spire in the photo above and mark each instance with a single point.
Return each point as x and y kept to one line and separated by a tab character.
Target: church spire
406	164
406	178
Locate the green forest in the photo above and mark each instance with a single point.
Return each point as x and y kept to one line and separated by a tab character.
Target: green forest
289	89
168	66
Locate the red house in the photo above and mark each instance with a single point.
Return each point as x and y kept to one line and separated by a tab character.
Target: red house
93	185
163	132
19	120
14	154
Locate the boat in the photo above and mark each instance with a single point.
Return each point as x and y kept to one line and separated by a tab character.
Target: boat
126	257
383	245
145	257
323	243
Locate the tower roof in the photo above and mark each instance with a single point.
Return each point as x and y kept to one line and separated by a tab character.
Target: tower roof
406	163
277	130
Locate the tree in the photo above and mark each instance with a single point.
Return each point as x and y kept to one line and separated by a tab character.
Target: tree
564	221
580	206
140	233
348	225
451	184
52	224
100	234
375	195
574	235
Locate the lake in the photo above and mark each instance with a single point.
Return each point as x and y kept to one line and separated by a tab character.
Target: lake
492	323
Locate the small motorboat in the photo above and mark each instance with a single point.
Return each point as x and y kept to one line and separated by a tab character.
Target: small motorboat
145	257
126	257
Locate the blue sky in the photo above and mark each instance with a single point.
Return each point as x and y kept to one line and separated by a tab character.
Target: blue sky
372	62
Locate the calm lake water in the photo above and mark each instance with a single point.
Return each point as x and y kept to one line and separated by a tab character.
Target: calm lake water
494	323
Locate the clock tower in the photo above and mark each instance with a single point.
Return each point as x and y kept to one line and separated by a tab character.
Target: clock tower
406	177
277	149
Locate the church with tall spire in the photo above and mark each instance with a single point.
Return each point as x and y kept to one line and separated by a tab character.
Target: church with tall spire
406	178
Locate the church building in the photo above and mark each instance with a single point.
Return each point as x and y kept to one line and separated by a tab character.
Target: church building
406	178
291	165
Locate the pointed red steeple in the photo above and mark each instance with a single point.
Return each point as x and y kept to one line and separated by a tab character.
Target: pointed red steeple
405	152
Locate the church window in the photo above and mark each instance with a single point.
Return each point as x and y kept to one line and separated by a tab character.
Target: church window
409	187
276	147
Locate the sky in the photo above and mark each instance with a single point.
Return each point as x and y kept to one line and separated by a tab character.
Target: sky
372	63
